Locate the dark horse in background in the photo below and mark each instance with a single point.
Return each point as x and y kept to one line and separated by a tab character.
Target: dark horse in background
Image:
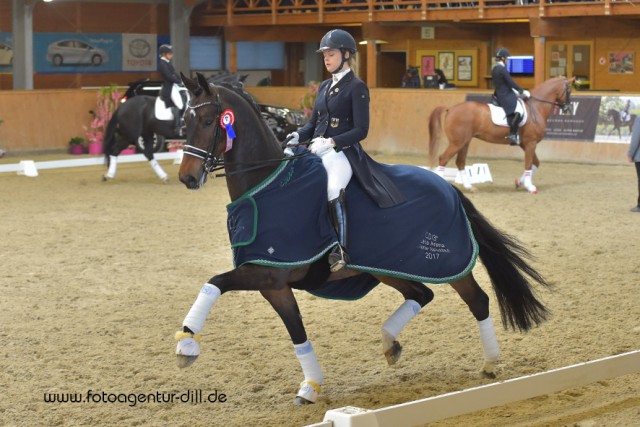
252	158
616	119
466	120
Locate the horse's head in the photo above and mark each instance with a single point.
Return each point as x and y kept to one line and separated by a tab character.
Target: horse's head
205	137
224	130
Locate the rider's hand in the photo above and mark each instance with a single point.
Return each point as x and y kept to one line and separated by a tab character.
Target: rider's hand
320	146
526	94
295	138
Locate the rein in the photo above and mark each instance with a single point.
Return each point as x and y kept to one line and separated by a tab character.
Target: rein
212	163
562	105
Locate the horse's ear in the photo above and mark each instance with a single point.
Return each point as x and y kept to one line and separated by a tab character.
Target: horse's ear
572	79
190	84
204	84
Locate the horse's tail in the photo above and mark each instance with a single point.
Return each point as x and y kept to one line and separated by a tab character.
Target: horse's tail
110	137
435	133
504	257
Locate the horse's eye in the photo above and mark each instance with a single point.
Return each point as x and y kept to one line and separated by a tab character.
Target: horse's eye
208	122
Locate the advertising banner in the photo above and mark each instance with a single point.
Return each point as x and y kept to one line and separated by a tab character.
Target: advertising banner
77	52
139	52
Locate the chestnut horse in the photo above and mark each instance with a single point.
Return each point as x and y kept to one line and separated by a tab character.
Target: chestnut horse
253	156
466	120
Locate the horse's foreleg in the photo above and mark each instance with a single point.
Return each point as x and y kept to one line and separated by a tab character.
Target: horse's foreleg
478	303
284	303
416	296
531	163
148	153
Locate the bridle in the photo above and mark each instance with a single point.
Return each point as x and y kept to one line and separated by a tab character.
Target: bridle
564	106
212	163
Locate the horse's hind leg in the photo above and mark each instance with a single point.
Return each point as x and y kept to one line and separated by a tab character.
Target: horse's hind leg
416	295
478	302
461	162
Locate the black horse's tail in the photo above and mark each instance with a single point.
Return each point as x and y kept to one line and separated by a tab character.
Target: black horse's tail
110	137
504	258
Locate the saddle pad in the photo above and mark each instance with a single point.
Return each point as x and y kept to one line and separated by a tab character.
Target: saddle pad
161	111
284	222
499	118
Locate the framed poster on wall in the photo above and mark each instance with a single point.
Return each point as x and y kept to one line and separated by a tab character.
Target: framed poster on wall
465	64
621	62
427	65
445	63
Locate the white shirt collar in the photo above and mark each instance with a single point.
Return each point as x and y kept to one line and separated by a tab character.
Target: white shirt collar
335	78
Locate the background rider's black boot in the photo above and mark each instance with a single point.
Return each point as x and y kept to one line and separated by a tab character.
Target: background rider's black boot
338	210
177	121
513	121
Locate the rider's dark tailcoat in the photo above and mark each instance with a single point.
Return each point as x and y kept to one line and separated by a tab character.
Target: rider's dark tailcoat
503	86
342	113
169	75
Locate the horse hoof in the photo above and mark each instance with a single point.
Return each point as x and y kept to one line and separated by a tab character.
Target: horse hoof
166	181
393	353
300	401
489	370
518	183
105	178
185	361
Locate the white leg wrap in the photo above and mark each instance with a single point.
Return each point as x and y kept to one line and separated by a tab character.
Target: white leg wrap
527	181
310	387
440	171
489	340
158	169
397	321
113	165
200	310
534	168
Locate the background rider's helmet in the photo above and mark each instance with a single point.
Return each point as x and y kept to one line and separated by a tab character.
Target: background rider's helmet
337	39
165	48
502	53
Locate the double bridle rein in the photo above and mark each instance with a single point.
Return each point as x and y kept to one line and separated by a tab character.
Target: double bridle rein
211	163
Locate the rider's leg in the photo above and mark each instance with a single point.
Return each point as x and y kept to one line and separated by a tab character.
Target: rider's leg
177	118
513	120
338	176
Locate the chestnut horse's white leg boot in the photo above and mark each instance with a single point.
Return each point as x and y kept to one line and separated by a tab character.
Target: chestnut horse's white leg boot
489	346
310	387
113	165
159	171
188	348
526	180
440	171
391	329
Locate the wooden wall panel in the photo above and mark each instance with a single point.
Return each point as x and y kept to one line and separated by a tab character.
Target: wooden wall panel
40	120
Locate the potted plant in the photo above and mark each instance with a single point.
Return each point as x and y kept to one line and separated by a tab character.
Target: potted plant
174	146
108	99
76	145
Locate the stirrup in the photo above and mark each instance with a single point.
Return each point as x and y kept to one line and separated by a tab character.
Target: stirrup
513	139
337	259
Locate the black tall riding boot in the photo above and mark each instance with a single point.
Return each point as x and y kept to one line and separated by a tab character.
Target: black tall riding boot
177	121
338	210
513	120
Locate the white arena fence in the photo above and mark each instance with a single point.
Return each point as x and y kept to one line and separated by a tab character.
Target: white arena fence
487	396
30	168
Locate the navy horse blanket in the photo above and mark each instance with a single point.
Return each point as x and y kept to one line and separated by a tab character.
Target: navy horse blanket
284	222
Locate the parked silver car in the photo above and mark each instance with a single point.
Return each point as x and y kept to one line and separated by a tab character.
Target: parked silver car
72	51
6	54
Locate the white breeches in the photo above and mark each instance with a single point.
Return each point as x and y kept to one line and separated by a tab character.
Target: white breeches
338	172
175	96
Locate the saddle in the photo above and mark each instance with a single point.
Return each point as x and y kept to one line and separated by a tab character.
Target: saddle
499	117
161	111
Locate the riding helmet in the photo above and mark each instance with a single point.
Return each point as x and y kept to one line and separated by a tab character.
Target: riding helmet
165	48
337	39
502	53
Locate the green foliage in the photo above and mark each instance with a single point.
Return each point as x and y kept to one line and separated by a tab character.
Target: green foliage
76	140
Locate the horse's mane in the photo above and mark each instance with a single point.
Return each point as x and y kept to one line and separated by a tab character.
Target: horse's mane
234	82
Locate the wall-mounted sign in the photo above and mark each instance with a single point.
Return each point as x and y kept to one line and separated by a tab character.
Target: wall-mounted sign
427	33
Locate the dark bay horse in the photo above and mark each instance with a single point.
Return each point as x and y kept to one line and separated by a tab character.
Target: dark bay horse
616	119
254	157
133	120
464	121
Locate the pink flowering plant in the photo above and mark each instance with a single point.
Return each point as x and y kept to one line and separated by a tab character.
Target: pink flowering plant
107	103
309	99
175	145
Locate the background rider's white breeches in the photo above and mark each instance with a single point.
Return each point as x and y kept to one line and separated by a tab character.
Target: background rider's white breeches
175	96
338	172
200	309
